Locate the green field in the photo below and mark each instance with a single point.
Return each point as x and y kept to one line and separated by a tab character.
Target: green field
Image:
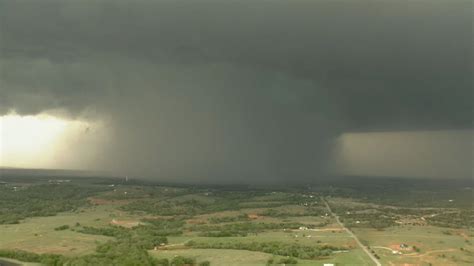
31	231
143	225
251	258
438	246
217	256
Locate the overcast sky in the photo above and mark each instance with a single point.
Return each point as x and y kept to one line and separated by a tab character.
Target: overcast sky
237	89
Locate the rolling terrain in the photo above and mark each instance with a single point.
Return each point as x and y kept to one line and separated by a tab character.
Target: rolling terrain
107	221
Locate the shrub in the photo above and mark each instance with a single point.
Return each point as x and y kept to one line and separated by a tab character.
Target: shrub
62	227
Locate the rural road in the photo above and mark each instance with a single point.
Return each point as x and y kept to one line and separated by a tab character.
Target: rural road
364	248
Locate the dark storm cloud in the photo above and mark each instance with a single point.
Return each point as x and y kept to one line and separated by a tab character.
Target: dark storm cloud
253	88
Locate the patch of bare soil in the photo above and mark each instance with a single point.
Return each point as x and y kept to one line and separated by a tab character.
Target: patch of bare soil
126	224
254	216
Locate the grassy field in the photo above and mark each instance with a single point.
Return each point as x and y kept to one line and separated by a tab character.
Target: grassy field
251	258
28	233
304	237
217	256
336	237
270	222
31	231
438	246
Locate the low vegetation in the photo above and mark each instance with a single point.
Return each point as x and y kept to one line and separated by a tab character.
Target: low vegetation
275	248
20	202
139	224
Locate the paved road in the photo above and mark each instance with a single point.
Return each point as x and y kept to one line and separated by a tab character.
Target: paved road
5	262
364	248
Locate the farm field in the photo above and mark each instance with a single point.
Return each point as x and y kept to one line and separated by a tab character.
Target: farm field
27	234
217	256
114	223
251	258
437	246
